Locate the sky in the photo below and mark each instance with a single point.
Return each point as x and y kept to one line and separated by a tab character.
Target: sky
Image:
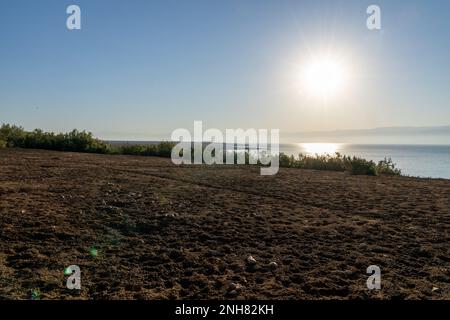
138	70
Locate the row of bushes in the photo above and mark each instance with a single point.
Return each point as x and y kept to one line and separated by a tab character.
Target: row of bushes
162	149
77	141
338	162
81	141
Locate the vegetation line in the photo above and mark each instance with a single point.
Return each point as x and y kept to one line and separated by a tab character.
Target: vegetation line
81	141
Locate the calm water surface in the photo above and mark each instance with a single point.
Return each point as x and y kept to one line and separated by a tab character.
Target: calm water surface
415	160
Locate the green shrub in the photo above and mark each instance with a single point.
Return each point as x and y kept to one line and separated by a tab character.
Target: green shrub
353	165
359	166
387	167
3	144
12	134
317	162
286	161
162	149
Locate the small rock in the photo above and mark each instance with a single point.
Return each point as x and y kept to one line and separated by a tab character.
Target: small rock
251	261
435	289
234	287
232	293
273	265
170	215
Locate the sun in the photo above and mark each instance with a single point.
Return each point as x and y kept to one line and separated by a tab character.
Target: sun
324	77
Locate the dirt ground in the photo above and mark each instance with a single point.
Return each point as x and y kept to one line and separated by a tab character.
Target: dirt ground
142	228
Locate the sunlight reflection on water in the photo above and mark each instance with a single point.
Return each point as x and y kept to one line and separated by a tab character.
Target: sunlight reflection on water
319	148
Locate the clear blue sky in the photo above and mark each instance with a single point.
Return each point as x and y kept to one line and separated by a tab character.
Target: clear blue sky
140	69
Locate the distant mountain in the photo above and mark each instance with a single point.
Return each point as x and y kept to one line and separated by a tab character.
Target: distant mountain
427	135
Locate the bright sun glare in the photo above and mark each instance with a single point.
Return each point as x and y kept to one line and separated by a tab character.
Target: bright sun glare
320	148
324	77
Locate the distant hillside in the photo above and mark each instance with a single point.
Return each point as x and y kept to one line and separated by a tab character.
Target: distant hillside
427	135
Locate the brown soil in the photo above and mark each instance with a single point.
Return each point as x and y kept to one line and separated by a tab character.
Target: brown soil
163	231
